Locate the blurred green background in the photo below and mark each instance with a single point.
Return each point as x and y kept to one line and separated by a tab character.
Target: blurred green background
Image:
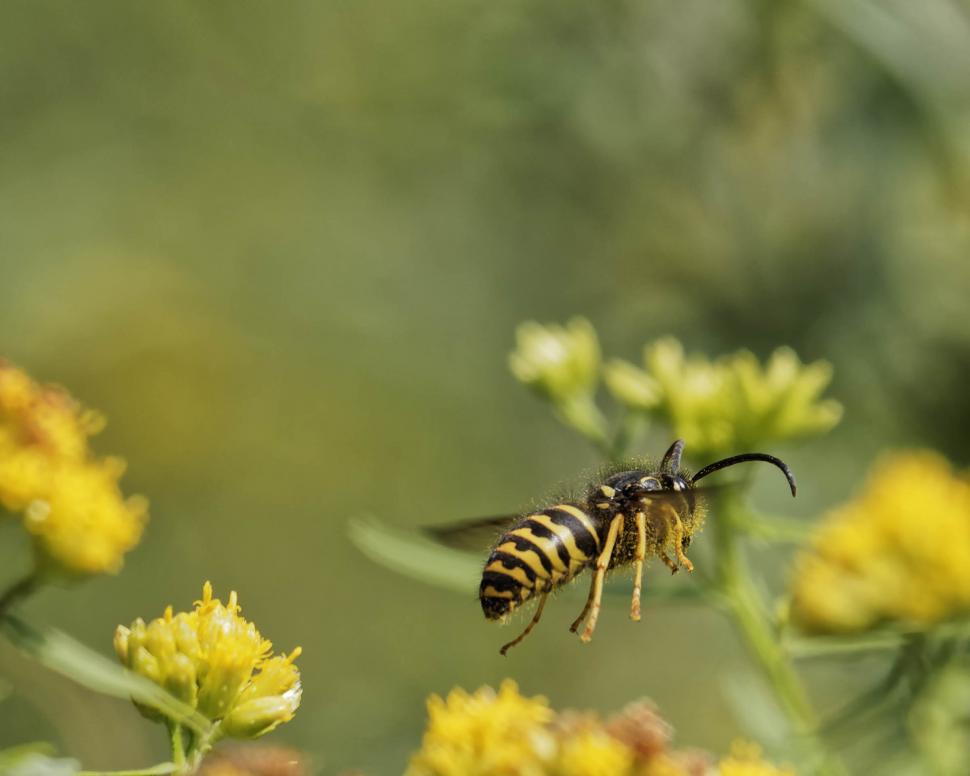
284	248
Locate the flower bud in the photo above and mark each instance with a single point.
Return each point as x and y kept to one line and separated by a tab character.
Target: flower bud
632	386
121	643
180	679
256	717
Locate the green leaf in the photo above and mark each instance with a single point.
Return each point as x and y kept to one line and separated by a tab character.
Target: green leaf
837	646
409	553
885	638
35	760
59	652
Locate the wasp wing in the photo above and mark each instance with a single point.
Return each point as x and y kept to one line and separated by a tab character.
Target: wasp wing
480	533
473	535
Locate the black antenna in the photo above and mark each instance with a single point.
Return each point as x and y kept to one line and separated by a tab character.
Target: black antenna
717	465
671	459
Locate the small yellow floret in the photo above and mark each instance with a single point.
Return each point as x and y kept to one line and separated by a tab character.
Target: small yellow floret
594	753
899	552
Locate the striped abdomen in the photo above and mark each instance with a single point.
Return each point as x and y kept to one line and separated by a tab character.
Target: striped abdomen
538	553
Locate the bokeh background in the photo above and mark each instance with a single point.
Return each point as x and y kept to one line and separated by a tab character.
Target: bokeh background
284	248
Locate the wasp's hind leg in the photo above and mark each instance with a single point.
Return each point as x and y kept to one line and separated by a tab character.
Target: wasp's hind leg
596	588
528	628
641	553
674	568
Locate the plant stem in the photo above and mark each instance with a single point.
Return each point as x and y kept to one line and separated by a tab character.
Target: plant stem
201	746
178	747
750	615
582	414
18	591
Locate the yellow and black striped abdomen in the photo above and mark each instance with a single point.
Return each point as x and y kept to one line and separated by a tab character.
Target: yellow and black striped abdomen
539	552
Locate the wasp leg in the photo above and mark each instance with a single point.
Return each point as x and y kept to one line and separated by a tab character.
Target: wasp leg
596	591
678	530
641	553
586	608
528	628
674	568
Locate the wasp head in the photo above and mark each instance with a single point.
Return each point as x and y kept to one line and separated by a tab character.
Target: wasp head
635	488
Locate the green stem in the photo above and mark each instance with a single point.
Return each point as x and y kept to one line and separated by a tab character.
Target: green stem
581	413
750	615
200	748
17	591
178	747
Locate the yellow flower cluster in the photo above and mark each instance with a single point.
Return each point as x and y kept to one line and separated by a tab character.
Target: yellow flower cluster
69	499
730	404
899	552
558	361
488	733
217	662
562	364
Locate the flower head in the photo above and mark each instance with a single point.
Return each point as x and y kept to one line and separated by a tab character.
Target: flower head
557	361
731	403
485	733
900	551
504	734
69	499
216	661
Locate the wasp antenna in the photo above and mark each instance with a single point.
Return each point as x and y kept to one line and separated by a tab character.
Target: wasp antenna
671	459
723	464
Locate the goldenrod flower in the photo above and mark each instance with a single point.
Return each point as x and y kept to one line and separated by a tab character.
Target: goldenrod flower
562	364
745	760
558	361
730	404
214	660
593	753
69	499
900	551
486	734
505	734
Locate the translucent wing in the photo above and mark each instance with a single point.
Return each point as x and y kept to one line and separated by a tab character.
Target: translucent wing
473	535
479	534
